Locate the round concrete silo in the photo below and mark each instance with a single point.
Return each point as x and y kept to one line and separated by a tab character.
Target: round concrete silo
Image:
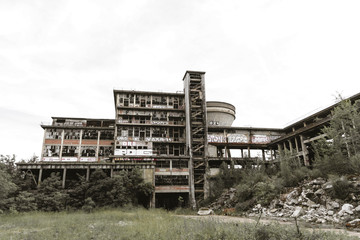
220	113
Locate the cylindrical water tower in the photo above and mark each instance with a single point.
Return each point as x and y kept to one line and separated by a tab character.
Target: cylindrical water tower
220	113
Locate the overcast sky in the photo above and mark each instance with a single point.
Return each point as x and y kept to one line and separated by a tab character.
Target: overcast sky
275	61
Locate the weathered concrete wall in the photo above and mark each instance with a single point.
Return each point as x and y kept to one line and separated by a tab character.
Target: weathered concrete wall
148	175
220	113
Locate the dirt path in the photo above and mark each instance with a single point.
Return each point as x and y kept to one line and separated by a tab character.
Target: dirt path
229	219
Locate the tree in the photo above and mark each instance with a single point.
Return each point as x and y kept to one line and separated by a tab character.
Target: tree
50	195
339	152
7	187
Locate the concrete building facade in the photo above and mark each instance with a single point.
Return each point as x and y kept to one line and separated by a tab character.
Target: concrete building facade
178	140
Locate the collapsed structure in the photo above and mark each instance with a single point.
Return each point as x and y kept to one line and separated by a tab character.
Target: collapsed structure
177	140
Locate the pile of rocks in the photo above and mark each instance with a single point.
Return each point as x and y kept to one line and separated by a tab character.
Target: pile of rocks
312	203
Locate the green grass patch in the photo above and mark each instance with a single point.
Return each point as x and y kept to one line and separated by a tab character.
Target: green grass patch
139	224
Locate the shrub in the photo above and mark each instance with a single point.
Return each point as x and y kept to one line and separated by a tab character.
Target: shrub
341	188
89	205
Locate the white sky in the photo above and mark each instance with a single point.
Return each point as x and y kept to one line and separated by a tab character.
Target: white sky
274	60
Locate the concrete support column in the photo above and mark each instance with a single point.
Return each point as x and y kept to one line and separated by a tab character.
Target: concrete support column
271	155
40	175
263	155
242	153
88	173
111	172
275	156
290	146
249	153
62	143
304	151
43	146
152	202
228	153
279	149
284	145
297	150
64	178
97	145
80	141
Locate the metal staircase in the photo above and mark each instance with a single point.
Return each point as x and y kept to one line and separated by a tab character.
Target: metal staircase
197	124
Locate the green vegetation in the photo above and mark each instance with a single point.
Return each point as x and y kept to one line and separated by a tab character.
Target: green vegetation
140	224
337	154
19	193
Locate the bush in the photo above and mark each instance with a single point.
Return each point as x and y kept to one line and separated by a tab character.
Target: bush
256	187
341	188
89	205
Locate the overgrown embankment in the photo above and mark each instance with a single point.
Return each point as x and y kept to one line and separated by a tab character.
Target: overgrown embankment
328	191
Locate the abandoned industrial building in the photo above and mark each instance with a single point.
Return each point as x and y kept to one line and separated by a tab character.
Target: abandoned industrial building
178	141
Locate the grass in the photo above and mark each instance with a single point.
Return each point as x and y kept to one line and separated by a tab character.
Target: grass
139	224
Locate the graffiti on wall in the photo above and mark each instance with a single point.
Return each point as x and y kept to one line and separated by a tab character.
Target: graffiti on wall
241	138
159	139
260	139
216	138
237	138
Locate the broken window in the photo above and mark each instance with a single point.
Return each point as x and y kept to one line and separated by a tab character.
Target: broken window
171	101
90	134
70	151
52	151
53	133
162	164
93	123
179	163
156	132
122	131
156	100
136	131
166	180
130	132
105	151
72	134
163	101
163	149
88	151
108	123
142	102
107	135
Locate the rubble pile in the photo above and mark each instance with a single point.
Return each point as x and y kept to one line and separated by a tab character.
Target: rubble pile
310	202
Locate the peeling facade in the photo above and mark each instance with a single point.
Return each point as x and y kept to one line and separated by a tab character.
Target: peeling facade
178	140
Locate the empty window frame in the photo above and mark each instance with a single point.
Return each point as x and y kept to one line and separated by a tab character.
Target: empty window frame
107	135
53	133
179	163
162	164
90	134
166	180
88	151
72	134
105	151
52	151
70	151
